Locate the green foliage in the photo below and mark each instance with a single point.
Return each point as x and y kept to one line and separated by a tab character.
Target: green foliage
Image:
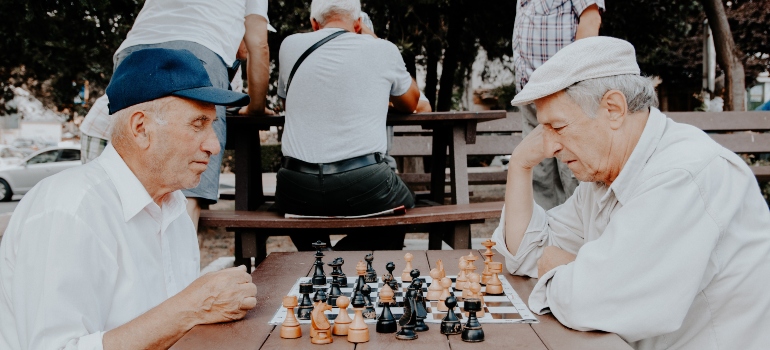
52	46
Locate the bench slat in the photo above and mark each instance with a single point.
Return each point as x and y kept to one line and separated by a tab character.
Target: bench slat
415	146
724	121
425	215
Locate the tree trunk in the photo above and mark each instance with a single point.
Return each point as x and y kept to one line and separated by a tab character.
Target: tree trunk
728	56
433	53
451	56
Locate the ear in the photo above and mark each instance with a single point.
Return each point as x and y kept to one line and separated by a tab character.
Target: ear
139	124
615	108
314	24
357	26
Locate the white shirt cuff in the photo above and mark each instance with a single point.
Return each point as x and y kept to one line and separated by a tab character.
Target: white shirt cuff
91	341
538	299
522	263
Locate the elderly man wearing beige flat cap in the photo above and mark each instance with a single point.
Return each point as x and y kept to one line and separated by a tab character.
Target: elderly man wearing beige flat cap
666	240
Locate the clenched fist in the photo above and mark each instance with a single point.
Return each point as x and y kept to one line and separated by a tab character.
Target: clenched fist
531	151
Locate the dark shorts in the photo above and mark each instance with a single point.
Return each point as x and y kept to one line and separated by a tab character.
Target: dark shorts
366	190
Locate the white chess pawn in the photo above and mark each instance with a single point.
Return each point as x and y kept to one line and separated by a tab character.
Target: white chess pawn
405	277
435	289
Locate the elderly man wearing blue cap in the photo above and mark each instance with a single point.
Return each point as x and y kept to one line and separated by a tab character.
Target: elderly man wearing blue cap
664	242
104	256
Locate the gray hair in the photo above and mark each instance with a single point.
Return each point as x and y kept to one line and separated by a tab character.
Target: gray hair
639	91
324	10
120	129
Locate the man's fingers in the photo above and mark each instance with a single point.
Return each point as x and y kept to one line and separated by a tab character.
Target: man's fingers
248	303
248	289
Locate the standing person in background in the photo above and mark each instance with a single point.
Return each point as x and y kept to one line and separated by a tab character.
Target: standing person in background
541	29
212	30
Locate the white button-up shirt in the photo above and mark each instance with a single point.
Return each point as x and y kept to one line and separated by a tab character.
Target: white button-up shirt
675	254
88	250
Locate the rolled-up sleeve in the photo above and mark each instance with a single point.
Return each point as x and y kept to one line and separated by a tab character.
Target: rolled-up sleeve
581	5
62	301
560	227
660	239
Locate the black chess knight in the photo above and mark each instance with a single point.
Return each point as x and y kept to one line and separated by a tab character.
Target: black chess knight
422	311
371	274
409	319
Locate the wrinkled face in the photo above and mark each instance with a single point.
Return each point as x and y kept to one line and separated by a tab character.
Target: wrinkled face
179	150
583	143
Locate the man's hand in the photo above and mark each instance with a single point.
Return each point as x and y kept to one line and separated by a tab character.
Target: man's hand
551	258
221	296
530	152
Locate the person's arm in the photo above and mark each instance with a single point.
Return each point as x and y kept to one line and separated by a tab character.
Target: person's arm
640	277
258	64
589	22
215	297
532	240
407	102
423	105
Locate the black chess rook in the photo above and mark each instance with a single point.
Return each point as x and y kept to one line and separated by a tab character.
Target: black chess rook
305	306
472	332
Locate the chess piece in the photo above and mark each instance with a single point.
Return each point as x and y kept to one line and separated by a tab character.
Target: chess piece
371	274
451	324
334	291
290	326
386	295
494	285
475	293
320	328
486	274
408	320
472	331
343	320
462	278
440	265
386	323
434	290
342	276
361	271
405	277
320	295
390	266
472	277
319	277
446	283
422	312
369	313
358	331
305	306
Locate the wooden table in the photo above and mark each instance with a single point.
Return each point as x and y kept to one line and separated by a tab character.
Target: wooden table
276	275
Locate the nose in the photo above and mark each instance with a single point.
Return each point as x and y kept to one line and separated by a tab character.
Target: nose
211	145
551	145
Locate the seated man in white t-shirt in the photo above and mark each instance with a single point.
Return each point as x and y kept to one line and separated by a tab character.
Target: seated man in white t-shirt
334	139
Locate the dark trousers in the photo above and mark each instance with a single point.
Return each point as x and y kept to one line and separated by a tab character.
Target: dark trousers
361	191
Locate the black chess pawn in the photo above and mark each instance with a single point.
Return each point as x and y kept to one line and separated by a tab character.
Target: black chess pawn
334	291
472	331
369	312
415	273
390	266
451	324
422	312
319	277
305	306
409	319
320	295
371	274
386	323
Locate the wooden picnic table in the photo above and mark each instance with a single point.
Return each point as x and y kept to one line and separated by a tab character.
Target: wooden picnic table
276	275
452	130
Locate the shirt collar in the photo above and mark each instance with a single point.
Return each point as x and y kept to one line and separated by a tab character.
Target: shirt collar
644	149
133	195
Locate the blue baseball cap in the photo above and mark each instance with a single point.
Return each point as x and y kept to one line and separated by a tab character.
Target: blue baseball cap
150	74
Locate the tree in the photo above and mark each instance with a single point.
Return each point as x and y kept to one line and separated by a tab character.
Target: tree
51	47
728	56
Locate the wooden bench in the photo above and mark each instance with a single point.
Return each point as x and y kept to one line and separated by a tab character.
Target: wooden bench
256	226
740	132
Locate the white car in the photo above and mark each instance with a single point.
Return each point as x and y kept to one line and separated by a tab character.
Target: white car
20	178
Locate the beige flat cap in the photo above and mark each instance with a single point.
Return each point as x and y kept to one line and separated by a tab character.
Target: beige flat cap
588	58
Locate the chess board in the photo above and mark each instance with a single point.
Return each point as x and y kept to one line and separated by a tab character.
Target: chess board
505	308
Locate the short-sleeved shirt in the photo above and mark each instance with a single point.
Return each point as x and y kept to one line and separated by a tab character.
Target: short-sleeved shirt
337	102
215	24
542	28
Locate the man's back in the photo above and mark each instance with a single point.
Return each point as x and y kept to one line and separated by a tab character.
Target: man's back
338	98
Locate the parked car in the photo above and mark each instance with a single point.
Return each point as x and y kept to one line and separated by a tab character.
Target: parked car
20	178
